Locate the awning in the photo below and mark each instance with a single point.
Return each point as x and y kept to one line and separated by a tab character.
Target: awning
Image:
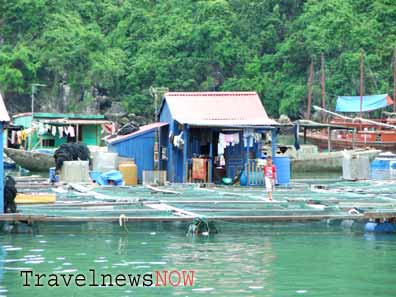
74	122
352	103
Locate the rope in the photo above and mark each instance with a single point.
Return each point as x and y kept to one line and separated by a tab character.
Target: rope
122	221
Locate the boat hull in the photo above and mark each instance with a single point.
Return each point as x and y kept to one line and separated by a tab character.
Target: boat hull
321	141
328	161
31	160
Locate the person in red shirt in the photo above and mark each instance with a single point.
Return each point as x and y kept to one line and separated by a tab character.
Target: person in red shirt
269	177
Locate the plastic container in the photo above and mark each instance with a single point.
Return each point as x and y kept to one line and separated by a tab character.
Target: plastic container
104	162
282	165
243	181
52	175
112	177
129	172
94	175
385	227
75	172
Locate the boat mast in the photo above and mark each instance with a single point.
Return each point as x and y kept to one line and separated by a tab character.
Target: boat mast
361	82
394	80
309	90
323	86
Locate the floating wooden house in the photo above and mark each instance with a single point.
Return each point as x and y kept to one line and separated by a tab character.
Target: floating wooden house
50	130
4	118
138	145
203	137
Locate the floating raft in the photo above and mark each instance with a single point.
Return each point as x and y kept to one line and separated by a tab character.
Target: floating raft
184	203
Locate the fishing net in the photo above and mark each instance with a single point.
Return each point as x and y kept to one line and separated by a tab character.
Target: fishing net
71	152
10	193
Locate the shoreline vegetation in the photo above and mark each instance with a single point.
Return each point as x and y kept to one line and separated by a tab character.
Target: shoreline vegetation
112	49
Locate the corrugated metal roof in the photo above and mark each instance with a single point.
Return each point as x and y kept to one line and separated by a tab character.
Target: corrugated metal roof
217	108
142	130
4	117
48	115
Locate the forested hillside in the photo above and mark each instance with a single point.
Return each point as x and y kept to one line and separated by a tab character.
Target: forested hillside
119	48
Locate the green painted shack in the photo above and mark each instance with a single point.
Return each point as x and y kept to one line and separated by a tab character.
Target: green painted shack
50	130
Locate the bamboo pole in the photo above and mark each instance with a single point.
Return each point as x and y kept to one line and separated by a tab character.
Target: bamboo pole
323	80
394	80
361	82
355	119
309	90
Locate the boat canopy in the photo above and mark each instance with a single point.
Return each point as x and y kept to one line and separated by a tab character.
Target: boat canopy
372	102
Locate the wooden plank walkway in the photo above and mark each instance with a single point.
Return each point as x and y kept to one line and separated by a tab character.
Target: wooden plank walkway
268	219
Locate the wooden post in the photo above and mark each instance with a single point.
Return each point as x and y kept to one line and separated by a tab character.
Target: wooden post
77	132
329	139
394	80
323	79
210	167
309	90
353	138
361	81
273	134
305	135
185	151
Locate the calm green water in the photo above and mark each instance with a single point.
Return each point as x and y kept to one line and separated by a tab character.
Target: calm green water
242	260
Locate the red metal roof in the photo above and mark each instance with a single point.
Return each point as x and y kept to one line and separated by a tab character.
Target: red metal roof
142	130
4	117
218	108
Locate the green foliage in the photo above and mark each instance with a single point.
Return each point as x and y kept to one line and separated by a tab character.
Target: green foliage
124	47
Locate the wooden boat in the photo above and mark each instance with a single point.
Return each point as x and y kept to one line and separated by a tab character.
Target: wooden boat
31	160
356	131
8	163
309	159
379	139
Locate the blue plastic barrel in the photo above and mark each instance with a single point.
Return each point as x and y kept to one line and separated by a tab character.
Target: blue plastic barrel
282	165
243	180
385	227
380	164
52	175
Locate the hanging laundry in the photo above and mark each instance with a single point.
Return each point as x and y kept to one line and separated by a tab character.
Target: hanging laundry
248	137
53	130
226	140
199	168
41	129
257	137
178	141
231	138
222	161
60	129
13	137
220	148
71	131
19	137
23	135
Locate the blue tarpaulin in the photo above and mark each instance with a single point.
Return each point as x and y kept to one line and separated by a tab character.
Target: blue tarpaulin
112	177
352	103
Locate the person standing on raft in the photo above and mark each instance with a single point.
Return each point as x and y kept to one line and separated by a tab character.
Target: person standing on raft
269	177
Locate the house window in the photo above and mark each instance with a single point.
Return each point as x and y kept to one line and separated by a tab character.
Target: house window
49	142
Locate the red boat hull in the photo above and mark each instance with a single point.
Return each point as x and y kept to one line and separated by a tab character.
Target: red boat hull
321	140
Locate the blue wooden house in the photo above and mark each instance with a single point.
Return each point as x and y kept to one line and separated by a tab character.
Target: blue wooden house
202	136
4	118
138	145
202	120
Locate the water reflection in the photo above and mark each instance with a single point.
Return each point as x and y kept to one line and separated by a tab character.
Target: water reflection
255	260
